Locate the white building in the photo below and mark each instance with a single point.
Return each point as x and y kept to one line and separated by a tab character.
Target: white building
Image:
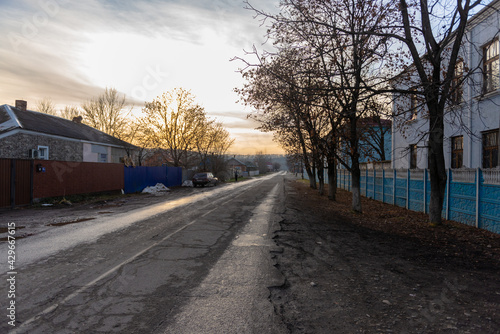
472	120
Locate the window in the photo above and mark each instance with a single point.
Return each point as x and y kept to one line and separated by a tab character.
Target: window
103	157
490	149
456	92
43	152
457	151
491	67
413	156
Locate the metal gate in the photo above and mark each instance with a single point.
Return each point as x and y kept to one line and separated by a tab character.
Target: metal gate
16	182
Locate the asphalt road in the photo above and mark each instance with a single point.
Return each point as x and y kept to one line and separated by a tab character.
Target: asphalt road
200	264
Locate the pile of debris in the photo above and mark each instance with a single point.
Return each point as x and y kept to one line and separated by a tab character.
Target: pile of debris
159	188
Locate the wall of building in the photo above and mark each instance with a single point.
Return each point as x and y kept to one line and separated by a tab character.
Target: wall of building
18	145
91	153
475	115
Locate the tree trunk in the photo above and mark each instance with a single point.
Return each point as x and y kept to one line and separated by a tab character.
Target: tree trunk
310	174
332	180
356	187
321	179
312	177
437	170
382	143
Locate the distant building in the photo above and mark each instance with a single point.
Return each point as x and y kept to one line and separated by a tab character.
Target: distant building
375	139
236	165
158	157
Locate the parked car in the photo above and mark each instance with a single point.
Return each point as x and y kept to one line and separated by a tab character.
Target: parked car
203	179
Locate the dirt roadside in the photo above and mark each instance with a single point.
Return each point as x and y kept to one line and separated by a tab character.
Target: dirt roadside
383	271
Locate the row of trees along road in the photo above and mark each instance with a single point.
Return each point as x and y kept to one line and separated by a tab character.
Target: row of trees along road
172	124
333	63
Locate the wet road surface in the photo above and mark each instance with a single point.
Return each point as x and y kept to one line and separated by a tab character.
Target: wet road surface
196	265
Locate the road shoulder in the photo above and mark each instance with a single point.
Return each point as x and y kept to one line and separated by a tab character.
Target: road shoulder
348	273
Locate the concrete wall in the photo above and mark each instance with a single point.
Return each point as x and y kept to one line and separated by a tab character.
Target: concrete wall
472	195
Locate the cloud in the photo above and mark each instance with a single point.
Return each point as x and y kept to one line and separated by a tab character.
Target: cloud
70	51
41	41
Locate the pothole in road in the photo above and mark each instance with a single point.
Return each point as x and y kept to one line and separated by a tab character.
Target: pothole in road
70	222
16	236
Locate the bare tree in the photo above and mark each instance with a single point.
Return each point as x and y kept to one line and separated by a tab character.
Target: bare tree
261	162
46	106
107	113
280	92
141	145
173	121
212	144
69	112
435	71
346	57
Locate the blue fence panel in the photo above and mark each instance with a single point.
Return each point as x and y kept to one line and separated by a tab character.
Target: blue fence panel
401	192
388	188
416	193
427	195
138	178
462	202
379	187
174	177
489	207
369	186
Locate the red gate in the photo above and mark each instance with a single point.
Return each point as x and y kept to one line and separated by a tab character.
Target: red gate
16	182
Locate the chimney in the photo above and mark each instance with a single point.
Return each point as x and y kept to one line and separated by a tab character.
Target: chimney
78	119
21	104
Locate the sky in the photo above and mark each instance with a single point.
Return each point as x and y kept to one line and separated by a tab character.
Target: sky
70	51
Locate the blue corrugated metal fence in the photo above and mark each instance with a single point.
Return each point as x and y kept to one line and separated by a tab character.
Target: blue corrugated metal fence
138	178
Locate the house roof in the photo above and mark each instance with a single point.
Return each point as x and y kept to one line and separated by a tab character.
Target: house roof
250	164
12	118
236	162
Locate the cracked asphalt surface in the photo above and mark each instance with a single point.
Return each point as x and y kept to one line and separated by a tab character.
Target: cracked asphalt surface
267	256
205	259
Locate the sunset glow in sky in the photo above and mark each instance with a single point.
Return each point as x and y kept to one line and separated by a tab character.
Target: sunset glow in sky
69	51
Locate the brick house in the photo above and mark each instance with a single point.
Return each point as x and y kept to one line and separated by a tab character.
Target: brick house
26	134
235	164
